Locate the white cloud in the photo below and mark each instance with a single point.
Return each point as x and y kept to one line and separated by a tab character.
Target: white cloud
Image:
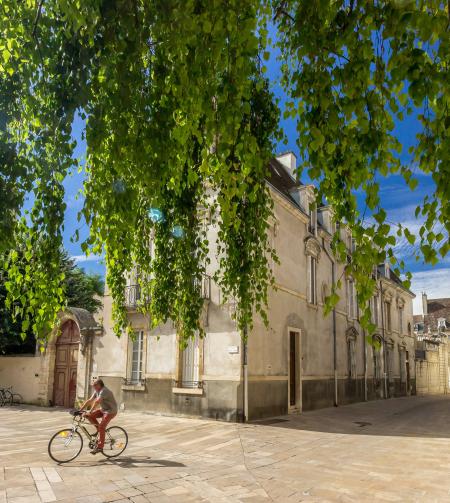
85	258
435	283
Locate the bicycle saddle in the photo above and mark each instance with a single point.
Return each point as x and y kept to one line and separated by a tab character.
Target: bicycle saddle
75	412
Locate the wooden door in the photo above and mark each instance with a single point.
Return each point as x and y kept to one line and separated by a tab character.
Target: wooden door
66	362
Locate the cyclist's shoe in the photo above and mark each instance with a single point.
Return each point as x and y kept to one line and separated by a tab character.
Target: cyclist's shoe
96	450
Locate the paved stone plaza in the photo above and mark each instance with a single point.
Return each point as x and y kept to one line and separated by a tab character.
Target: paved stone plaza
394	450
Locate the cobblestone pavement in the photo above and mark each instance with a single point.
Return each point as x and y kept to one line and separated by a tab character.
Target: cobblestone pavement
393	450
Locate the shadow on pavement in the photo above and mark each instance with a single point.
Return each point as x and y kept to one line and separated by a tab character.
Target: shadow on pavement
397	417
142	461
127	462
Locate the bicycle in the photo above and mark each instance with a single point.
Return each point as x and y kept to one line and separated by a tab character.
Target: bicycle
66	445
6	396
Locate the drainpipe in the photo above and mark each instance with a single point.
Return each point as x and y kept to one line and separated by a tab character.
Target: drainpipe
245	375
384	341
365	365
333	281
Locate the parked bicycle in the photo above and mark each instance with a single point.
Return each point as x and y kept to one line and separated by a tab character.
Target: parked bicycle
66	445
8	397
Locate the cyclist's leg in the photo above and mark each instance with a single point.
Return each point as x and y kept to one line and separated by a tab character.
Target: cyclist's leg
102	427
92	417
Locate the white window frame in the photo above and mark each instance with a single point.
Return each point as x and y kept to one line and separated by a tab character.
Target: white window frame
400	320
351	299
312	219
190	363
137	357
388	314
374	310
312	279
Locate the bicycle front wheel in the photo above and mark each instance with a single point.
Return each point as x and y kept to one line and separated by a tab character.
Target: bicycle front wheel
65	445
116	440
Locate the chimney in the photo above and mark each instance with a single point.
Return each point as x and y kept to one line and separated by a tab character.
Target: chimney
289	161
424	304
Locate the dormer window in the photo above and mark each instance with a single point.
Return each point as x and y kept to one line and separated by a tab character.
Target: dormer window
442	325
312	220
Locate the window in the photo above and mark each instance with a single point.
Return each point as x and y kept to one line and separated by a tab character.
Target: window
390	360
376	348
190	363
442	325
374	310
137	350
402	358
312	219
387	306
418	327
400	320
351	299
312	279
351	353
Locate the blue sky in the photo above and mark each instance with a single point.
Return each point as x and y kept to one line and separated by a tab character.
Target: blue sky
397	199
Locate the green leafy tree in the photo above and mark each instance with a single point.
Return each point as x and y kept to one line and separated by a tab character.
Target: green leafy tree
171	92
80	290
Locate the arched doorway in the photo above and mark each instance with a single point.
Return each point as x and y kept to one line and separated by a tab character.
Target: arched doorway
66	362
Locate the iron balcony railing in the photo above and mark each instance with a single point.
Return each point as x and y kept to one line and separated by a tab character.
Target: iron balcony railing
127	381
132	295
188	384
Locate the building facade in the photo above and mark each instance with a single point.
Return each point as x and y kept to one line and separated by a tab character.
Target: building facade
303	360
60	373
432	329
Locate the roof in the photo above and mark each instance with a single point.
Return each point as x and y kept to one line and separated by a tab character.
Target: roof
438	306
83	317
281	180
436	309
392	277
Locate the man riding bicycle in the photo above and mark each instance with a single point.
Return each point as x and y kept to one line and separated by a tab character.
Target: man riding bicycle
103	406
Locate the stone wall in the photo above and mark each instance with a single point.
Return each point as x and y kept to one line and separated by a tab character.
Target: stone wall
432	372
23	373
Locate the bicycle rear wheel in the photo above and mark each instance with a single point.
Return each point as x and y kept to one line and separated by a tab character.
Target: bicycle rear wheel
7	397
65	445
116	441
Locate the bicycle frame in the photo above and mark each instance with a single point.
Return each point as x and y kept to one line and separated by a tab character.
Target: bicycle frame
77	424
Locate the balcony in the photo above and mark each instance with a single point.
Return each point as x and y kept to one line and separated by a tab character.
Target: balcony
132	296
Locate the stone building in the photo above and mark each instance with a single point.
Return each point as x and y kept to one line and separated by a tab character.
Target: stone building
303	361
431	329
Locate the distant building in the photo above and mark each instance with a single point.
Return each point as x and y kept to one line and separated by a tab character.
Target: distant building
431	329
